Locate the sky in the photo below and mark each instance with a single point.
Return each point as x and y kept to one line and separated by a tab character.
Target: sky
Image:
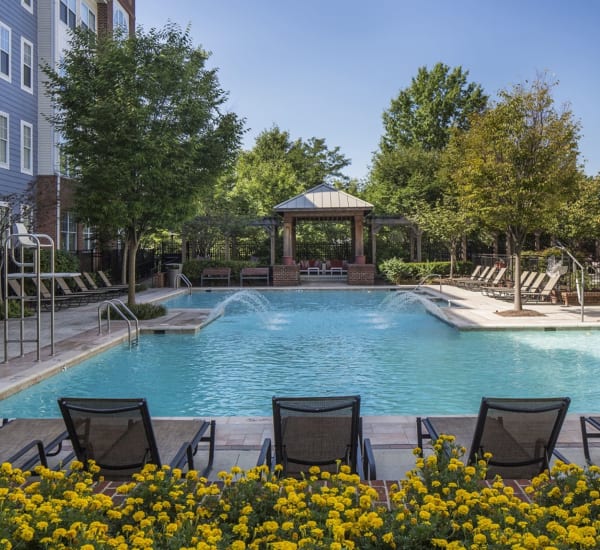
330	68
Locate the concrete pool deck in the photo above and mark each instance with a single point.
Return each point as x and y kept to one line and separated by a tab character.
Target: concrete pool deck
239	438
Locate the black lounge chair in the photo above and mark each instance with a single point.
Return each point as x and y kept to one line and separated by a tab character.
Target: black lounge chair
27	442
520	433
589	432
318	431
120	436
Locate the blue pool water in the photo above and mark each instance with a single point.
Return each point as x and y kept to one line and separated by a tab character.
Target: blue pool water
383	345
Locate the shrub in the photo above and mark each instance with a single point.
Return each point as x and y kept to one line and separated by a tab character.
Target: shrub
397	270
148	311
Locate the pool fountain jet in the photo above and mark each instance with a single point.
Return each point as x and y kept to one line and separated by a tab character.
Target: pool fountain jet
254	300
404	300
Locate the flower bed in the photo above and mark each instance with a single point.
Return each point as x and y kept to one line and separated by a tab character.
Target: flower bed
441	504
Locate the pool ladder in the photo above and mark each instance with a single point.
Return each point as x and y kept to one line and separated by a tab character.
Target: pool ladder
125	313
182	277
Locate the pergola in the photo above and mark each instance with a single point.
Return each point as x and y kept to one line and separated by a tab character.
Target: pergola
323	203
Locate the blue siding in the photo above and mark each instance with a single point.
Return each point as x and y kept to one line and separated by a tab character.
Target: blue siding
19	104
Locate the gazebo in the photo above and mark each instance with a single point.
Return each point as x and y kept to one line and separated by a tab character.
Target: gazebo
323	203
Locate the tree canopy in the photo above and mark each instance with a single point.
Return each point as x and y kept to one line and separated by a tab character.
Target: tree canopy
278	168
436	101
516	164
142	123
417	128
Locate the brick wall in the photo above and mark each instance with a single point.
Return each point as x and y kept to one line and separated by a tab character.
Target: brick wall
286	275
361	274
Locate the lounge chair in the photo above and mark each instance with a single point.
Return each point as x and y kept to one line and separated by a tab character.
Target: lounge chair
100	292
318	431
531	284
83	297
120	436
589	432
496	281
482	281
477	275
27	442
520	433
544	293
45	296
107	283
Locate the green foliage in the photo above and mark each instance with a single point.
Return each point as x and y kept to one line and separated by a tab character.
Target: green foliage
517	163
277	168
143	125
147	311
436	101
14	310
64	262
397	270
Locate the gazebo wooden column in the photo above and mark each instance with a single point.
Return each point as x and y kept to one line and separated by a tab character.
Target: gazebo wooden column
359	241
288	239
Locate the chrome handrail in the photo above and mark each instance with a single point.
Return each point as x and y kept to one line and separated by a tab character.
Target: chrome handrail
182	277
115	305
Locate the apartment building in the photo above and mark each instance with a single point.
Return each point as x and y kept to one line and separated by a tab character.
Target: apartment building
33	33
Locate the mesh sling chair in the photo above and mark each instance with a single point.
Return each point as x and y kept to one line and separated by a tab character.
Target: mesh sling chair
520	433
318	431
27	442
590	429
120	436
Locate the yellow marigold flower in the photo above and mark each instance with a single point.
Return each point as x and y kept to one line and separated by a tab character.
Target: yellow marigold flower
238	545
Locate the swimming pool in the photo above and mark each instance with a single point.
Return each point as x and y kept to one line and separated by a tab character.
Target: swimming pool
383	345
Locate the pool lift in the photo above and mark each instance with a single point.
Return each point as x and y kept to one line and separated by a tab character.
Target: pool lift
21	262
579	285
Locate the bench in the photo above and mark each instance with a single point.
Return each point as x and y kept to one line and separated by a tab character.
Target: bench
249	273
216	274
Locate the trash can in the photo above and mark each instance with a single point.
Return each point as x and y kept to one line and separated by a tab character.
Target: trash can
172	271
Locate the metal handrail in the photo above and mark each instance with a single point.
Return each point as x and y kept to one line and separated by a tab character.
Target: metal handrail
112	304
182	277
429	276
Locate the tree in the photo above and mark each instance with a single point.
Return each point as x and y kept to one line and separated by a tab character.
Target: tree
435	102
446	222
516	165
416	129
142	122
277	168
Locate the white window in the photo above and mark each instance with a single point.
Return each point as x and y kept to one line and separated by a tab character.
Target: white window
26	148
4	149
28	5
88	18
68	232
4	52
89	239
68	12
120	18
26	65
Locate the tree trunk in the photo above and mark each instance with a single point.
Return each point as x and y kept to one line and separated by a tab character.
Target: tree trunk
452	261
517	304
133	244
124	264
